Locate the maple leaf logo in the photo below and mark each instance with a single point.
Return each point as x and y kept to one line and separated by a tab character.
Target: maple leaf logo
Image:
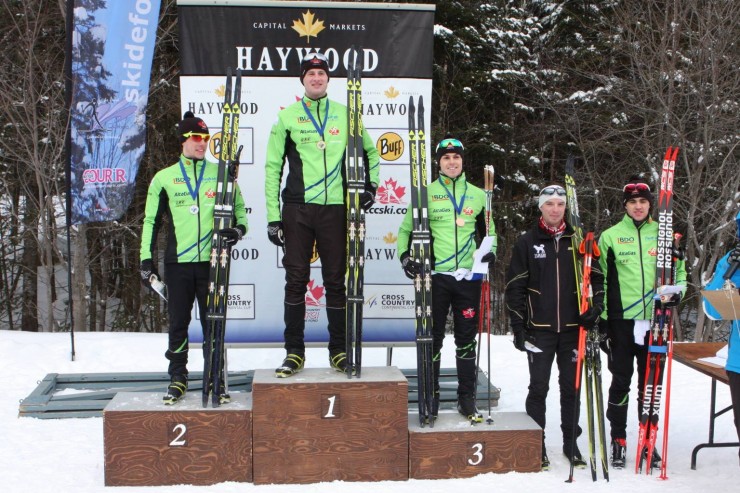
220	91
390	238
391	93
307	27
390	192
314	293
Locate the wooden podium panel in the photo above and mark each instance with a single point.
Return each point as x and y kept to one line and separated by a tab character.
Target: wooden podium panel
149	444
455	449
318	425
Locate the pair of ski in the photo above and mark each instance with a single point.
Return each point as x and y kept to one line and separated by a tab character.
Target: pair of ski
588	357
355	173
421	244
214	386
660	345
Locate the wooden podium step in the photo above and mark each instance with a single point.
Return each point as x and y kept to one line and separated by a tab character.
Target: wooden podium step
319	426
149	444
455	449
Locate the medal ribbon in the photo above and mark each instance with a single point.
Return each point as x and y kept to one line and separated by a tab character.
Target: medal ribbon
319	129
193	193
458	208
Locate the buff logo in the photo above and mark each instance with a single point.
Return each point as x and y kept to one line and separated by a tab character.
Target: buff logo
390	146
105	175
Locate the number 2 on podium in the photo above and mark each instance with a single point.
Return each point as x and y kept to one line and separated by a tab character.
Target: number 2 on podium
179	432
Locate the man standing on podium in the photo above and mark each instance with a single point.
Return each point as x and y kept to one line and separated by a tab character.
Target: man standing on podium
311	136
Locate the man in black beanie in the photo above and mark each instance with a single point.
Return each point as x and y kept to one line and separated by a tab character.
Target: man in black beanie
185	191
628	260
310	137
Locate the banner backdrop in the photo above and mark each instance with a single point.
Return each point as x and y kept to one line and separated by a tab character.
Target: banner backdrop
267	41
112	49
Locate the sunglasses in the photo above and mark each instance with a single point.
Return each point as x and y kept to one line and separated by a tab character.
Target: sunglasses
636	187
317	56
446	143
197	137
552	190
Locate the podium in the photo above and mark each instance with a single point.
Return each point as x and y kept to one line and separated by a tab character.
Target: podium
455	449
150	444
315	426
319	425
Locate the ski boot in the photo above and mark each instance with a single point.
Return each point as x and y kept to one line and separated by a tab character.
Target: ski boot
292	364
619	453
575	457
654	460
466	407
176	390
338	361
223	395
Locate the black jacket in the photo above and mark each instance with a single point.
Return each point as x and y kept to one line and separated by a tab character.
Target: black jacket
541	286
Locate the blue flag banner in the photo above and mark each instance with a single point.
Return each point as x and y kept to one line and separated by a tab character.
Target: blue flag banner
112	50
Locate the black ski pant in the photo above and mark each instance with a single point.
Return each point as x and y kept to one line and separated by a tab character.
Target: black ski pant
186	282
464	299
620	361
734	381
563	348
324	226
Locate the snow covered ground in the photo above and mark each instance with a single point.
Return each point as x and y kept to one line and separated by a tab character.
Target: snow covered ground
66	455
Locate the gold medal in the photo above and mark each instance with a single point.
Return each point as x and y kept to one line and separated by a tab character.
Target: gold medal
460	221
321	145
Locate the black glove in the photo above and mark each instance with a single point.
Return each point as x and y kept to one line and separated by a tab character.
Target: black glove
519	338
589	318
489	258
232	235
604	342
367	198
146	270
734	255
275	233
410	266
